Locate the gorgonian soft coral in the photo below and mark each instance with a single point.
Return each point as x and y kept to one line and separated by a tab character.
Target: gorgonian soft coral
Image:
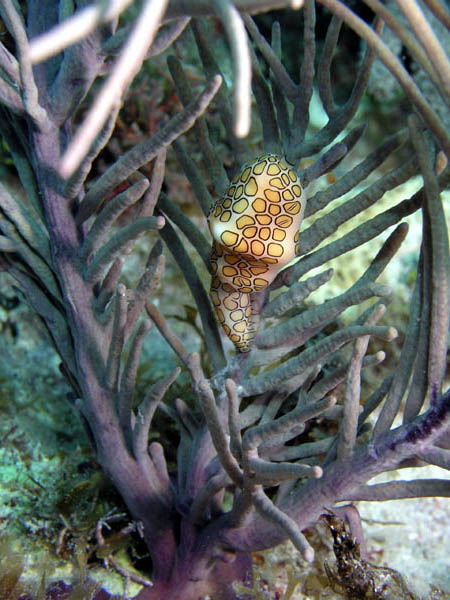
247	475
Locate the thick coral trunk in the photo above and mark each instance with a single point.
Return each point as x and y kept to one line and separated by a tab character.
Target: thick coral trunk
194	579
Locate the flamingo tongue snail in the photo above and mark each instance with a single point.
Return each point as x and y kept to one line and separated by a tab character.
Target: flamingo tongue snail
255	229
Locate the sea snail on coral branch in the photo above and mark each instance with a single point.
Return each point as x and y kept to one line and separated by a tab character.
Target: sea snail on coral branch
255	229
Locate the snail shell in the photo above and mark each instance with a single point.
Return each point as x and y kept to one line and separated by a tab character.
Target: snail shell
255	229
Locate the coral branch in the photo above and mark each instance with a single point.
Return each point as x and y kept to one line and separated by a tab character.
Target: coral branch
108	215
257	435
128	379
29	91
111	94
396	68
192	233
117	339
353	177
210	411
118	243
300	327
295	294
148	283
237	37
396	490
403	373
170	337
146	151
406	37
319	351
74	29
439	11
349	423
146	410
198	291
269	511
440	261
439	63
233	418
200	128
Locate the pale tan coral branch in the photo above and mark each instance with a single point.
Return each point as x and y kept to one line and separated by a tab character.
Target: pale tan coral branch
430	42
439	11
204	8
126	67
74	28
407	39
238	40
396	68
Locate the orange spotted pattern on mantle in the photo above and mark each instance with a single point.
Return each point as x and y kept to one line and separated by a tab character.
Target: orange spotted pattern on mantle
255	229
